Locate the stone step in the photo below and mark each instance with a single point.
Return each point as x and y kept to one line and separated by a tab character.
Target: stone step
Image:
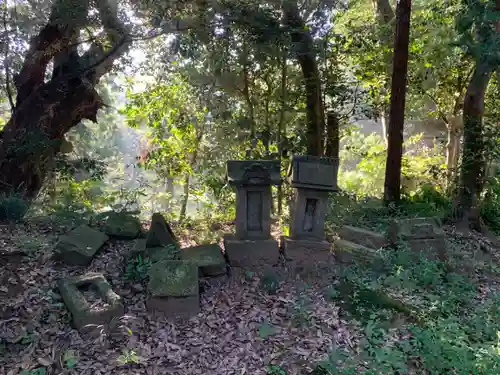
350	252
362	236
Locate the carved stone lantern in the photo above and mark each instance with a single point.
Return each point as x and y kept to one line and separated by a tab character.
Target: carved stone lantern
252	244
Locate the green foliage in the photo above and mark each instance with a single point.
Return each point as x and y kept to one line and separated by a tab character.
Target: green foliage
128	357
275	370
137	268
38	371
13	208
270	282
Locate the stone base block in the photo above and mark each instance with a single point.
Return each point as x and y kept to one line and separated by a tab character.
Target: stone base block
363	237
350	252
251	253
174	307
208	258
431	248
84	314
304	252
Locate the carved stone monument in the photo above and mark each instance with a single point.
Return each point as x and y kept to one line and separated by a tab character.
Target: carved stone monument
312	179
252	244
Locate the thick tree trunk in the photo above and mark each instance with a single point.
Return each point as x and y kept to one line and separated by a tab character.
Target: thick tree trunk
45	111
392	187
473	158
333	139
306	56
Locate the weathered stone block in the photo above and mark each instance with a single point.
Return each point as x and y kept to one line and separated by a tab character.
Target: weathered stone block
431	248
173	278
208	258
363	237
414	228
253	180
79	246
174	307
122	226
308	214
304	252
83	313
254	172
160	234
313	172
350	252
251	253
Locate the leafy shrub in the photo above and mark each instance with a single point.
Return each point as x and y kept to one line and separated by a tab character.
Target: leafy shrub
13	208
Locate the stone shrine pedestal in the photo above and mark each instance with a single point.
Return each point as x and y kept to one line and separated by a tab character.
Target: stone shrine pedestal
252	245
312	178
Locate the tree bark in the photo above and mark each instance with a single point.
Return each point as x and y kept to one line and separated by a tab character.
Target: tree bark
333	139
473	158
281	123
45	111
392	186
306	56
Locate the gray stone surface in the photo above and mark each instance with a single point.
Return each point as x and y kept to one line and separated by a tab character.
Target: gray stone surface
423	236
173	278
251	253
252	180
306	252
160	234
122	226
313	172
83	313
362	236
254	172
308	212
208	258
79	246
349	252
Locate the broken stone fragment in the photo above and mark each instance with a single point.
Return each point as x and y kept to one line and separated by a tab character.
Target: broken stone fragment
83	312
173	278
122	226
208	258
79	246
160	234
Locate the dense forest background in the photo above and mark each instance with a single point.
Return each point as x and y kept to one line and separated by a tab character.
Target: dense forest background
142	103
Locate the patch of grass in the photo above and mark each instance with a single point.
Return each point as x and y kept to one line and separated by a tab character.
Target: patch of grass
128	357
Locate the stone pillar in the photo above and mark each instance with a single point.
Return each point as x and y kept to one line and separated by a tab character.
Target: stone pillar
252	244
312	178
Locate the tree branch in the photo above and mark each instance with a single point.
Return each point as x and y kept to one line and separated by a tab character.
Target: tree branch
6	62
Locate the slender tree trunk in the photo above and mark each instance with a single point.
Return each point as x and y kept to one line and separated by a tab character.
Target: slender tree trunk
246	92
392	187
185	198
473	158
306	56
282	124
333	139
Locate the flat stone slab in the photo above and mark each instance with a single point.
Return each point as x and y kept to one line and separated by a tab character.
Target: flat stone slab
208	258
306	252
122	226
84	313
363	237
79	246
415	228
173	278
160	234
251	253
350	252
174	307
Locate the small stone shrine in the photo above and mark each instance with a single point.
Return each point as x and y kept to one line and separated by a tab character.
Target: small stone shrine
312	179
252	244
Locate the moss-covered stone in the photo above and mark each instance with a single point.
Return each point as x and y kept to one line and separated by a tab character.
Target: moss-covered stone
83	314
173	278
347	251
208	258
160	234
123	226
79	246
156	254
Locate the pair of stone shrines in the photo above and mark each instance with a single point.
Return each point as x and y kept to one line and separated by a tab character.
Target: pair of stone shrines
312	179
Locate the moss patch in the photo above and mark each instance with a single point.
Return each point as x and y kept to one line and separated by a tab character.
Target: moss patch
173	278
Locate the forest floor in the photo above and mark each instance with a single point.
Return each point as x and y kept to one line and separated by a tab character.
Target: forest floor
244	327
